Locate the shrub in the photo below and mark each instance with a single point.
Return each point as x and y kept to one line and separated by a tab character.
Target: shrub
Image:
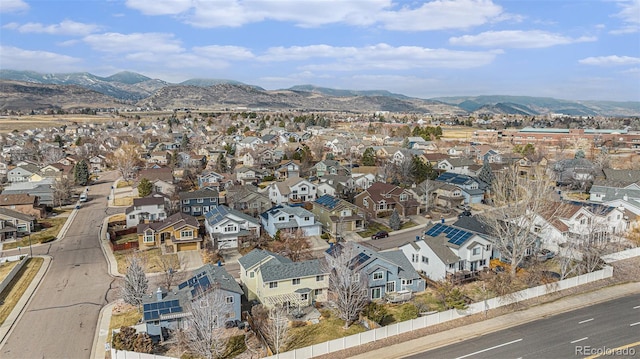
376	312
47	239
325	236
298	324
408	311
326	313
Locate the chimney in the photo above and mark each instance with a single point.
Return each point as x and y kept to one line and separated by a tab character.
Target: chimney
159	294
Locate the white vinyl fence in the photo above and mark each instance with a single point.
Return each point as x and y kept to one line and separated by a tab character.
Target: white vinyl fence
123	354
5	282
440	317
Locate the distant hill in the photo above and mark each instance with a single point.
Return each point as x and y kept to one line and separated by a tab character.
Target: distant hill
134	88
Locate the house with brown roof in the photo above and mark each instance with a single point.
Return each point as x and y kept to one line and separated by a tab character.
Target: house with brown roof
57	170
23	203
14	224
178	232
161	178
380	199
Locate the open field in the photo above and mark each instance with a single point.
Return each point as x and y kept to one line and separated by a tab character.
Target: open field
459	132
22	123
12	294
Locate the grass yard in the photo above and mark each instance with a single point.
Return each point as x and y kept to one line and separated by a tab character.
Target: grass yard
6	267
123	201
127	318
14	291
457	132
123	184
133	237
408	224
151	259
328	329
43	236
372	228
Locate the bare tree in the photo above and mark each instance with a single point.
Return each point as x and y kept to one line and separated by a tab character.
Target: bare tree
52	155
205	332
170	266
62	190
276	329
348	288
136	283
293	245
515	222
125	160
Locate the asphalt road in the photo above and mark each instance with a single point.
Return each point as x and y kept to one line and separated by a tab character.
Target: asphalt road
61	318
610	325
395	239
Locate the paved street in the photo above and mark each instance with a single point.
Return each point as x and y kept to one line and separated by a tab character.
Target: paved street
610	324
61	318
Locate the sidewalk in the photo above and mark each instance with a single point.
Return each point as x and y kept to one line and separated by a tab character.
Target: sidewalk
495	324
15	314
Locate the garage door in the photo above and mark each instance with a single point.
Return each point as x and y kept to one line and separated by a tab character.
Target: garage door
187	246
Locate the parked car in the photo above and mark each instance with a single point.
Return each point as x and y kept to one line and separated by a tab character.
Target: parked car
465	213
544	255
380	234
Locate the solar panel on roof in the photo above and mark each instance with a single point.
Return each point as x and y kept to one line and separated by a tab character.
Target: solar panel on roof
165	311
182	285
146	307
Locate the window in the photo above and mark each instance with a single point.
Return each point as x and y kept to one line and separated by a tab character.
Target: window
185	201
132	216
317	292
295	281
252	274
407	281
482	262
306	218
377	275
186	234
228	299
185	209
273	284
230	228
200	200
304	296
376	293
281	218
452	265
476	251
319	278
414	257
149	237
425	260
404	197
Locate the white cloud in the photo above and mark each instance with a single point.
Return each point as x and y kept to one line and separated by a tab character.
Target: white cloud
117	43
224	52
66	27
21	59
517	39
432	15
380	56
612	60
630	16
13	6
442	14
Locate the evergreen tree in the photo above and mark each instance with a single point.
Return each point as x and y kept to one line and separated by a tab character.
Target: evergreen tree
486	175
81	173
394	220
145	187
222	163
185	144
369	157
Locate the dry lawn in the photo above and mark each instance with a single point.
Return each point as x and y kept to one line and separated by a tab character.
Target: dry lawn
22	123
12	294
457	132
45	235
328	329
6	267
151	259
123	315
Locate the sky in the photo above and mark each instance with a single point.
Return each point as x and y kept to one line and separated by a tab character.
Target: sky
567	49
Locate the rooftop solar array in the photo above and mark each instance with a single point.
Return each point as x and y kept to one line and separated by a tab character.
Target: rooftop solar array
453	178
359	260
328	201
456	236
153	311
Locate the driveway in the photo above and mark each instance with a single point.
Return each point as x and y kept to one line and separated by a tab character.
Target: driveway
190	260
60	319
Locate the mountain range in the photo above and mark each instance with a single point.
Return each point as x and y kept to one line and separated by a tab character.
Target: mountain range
29	90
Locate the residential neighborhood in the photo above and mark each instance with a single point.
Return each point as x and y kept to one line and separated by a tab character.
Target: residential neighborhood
270	220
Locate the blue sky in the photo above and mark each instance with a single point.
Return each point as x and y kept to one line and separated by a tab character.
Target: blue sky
581	50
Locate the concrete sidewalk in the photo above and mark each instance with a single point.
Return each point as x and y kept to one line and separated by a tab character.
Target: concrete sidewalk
452	336
17	311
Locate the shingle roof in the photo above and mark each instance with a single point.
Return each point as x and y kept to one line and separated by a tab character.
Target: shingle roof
15	199
437	245
405	269
258	255
272	273
201	193
15	214
218	213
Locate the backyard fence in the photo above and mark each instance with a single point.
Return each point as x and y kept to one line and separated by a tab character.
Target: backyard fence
113	235
123	246
440	317
123	354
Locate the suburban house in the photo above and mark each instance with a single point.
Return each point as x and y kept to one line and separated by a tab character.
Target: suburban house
206	179
42	189
22	173
390	276
151	208
461	166
179	232
330	167
170	309
161	178
57	171
275	280
227	227
446	195
247	199
287	218
445	250
199	202
287	169
23	203
292	190
472	189
97	163
338	216
380	199
14	224
619	188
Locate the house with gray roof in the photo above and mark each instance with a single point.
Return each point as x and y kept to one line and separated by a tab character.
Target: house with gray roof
199	202
227	227
444	250
276	280
169	309
14	224
290	218
151	208
390	276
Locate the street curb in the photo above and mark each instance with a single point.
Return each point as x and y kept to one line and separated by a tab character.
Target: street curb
101	332
18	310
